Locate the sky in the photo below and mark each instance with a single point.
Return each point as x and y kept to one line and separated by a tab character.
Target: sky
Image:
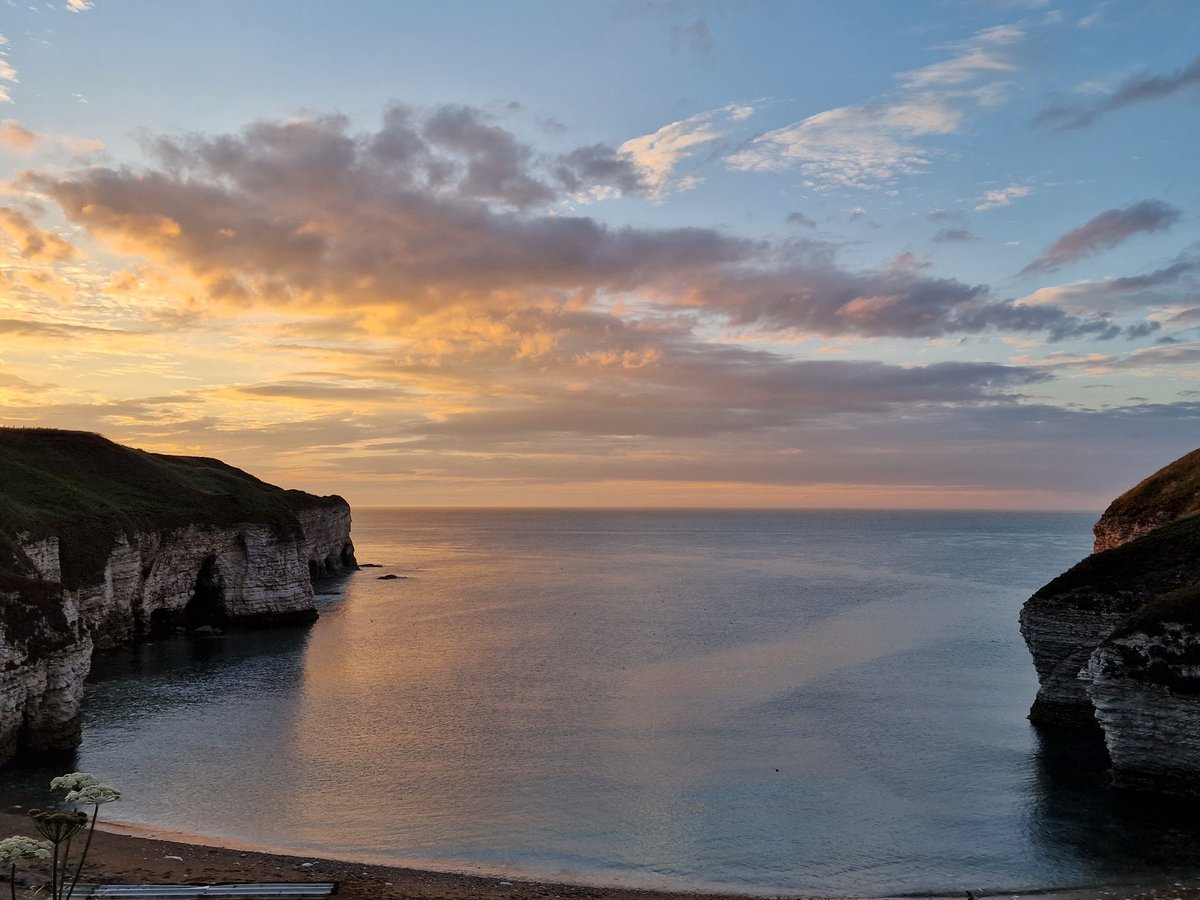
928	254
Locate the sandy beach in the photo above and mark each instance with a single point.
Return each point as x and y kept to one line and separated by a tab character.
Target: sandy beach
124	854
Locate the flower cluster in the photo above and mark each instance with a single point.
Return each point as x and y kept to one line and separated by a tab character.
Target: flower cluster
58	827
84	788
20	847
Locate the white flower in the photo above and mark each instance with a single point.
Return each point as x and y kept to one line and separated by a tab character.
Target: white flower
20	847
73	782
94	793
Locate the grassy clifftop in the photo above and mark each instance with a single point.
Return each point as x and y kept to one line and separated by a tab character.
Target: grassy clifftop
87	490
1171	493
1160	561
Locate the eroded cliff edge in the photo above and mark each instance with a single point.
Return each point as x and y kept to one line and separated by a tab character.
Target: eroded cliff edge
1116	639
1171	493
101	545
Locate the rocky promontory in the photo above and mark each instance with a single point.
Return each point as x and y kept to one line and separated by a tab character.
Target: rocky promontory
103	545
1171	493
1116	639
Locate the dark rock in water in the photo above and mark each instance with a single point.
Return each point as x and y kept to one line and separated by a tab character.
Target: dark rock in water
207	631
1116	640
390	577
370	565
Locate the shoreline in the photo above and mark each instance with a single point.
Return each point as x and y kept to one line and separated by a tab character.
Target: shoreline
125	852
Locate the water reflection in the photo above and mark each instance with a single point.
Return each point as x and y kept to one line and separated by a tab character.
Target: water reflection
770	703
1111	834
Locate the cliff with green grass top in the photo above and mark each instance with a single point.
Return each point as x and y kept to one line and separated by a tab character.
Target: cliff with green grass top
101	545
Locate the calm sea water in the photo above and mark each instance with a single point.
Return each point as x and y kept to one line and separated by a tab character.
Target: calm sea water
762	701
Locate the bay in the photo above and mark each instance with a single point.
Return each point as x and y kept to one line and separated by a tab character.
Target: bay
760	701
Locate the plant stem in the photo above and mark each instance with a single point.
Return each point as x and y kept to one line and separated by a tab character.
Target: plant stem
86	845
54	874
12	881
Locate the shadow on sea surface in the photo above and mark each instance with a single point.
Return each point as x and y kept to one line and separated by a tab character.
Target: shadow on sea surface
1117	834
148	679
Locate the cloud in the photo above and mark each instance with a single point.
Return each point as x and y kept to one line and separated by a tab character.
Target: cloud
1142	290
944	215
1103	232
9	74
953	235
16	136
599	171
658	155
870	145
1002	197
497	164
78	6
1144	360
799	218
414	219
1135	90
31	242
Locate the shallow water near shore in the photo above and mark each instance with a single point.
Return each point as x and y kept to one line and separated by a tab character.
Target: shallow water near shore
766	702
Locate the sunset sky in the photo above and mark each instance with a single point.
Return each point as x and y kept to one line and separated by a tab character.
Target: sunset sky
656	253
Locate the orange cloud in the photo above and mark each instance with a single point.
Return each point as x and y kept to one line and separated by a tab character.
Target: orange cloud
16	136
33	243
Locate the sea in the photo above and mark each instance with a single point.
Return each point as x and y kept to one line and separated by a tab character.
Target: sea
766	702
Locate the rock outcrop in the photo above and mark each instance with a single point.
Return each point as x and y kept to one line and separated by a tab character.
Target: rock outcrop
1116	640
1171	493
1144	682
101	545
1068	619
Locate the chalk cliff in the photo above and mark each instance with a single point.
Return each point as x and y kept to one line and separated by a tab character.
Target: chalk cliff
101	545
1116	639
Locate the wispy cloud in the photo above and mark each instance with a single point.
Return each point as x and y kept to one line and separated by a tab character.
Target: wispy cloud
1138	89
658	155
7	73
1002	197
873	144
1103	232
78	6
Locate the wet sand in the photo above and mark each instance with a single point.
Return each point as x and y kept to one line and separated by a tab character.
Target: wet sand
143	856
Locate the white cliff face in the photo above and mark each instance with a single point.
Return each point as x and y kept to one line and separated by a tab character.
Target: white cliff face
327	539
1061	633
1146	692
42	669
151	583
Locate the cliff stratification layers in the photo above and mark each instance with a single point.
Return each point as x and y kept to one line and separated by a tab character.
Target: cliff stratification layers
1116	639
101	545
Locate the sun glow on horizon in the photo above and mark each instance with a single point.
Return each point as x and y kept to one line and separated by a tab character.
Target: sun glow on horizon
858	295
